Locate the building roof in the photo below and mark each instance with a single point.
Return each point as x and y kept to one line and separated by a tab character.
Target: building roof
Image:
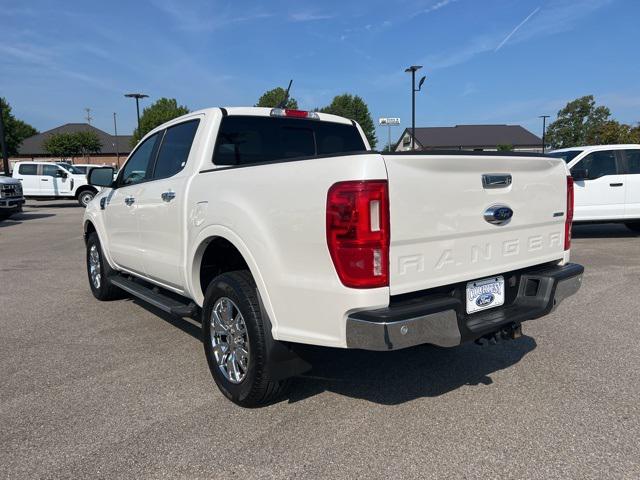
34	145
467	136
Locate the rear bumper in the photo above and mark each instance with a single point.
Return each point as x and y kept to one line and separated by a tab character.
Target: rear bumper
440	318
13	203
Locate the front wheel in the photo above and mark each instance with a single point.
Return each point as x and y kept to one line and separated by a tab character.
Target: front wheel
99	271
635	226
85	197
235	341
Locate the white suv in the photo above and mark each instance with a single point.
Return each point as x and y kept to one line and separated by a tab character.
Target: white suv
46	180
607	183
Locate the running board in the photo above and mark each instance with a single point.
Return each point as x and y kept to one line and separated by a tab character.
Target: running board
157	299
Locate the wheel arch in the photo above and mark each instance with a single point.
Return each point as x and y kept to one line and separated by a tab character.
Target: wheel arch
84	188
209	241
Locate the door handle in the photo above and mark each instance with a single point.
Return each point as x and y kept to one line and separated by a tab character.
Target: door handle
168	196
129	200
615	184
44	179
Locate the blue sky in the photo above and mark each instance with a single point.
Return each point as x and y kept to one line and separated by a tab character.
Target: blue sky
487	61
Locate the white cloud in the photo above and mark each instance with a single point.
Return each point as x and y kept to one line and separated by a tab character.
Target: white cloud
308	17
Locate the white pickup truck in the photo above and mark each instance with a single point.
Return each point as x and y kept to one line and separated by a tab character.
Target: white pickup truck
51	181
278	227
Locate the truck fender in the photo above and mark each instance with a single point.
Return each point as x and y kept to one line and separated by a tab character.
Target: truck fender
193	281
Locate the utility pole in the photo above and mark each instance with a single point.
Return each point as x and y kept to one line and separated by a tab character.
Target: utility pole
88	117
3	145
137	96
115	130
544	128
413	69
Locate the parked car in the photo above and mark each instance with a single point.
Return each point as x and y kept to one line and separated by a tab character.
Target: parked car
11	199
45	181
84	168
607	183
278	227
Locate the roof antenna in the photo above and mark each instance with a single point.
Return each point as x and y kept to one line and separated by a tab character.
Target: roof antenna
283	103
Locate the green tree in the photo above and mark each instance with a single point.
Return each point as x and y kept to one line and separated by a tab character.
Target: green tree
88	142
62	145
15	131
66	145
272	99
162	111
354	108
580	122
504	147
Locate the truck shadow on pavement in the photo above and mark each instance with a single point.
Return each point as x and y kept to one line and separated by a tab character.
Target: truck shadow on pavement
18	218
392	378
387	378
602	230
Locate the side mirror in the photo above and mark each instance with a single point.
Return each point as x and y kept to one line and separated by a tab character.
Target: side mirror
101	177
580	174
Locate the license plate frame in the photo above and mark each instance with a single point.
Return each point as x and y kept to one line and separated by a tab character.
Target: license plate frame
492	288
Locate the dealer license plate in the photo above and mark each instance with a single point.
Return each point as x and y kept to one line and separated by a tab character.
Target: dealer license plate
485	293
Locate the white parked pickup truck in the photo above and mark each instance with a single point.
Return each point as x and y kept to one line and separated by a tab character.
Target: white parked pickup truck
50	181
279	227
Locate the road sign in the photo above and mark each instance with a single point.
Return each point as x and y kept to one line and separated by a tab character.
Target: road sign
389	121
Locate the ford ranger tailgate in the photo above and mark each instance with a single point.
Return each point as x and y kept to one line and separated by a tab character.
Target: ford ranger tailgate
461	217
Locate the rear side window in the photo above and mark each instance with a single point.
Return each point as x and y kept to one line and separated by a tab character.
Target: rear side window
28	169
246	140
175	149
599	164
633	160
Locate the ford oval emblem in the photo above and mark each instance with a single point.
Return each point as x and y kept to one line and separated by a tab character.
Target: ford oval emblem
484	299
498	214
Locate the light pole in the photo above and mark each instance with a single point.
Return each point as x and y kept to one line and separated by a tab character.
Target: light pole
544	128
413	69
115	131
137	96
3	145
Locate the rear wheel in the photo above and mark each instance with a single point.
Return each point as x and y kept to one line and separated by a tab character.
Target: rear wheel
99	271
235	341
635	226
85	196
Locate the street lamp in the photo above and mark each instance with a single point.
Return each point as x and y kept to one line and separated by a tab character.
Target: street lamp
137	96
544	128
413	69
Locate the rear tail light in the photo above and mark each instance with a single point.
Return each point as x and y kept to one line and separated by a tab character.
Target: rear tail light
569	218
287	112
358	232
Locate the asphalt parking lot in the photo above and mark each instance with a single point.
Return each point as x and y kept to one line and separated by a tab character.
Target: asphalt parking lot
115	390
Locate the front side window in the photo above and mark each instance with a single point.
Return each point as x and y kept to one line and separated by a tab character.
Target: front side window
135	170
28	169
246	140
175	148
633	160
598	164
52	171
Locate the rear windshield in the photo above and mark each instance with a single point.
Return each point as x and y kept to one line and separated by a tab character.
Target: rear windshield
246	140
566	156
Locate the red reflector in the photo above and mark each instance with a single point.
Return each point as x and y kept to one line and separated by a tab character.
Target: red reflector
569	218
296	113
358	232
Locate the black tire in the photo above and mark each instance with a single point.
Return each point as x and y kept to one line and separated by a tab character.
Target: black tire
104	290
256	388
85	196
635	226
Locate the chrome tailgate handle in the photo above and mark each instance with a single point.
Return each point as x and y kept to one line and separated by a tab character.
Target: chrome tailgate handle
496	180
168	196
